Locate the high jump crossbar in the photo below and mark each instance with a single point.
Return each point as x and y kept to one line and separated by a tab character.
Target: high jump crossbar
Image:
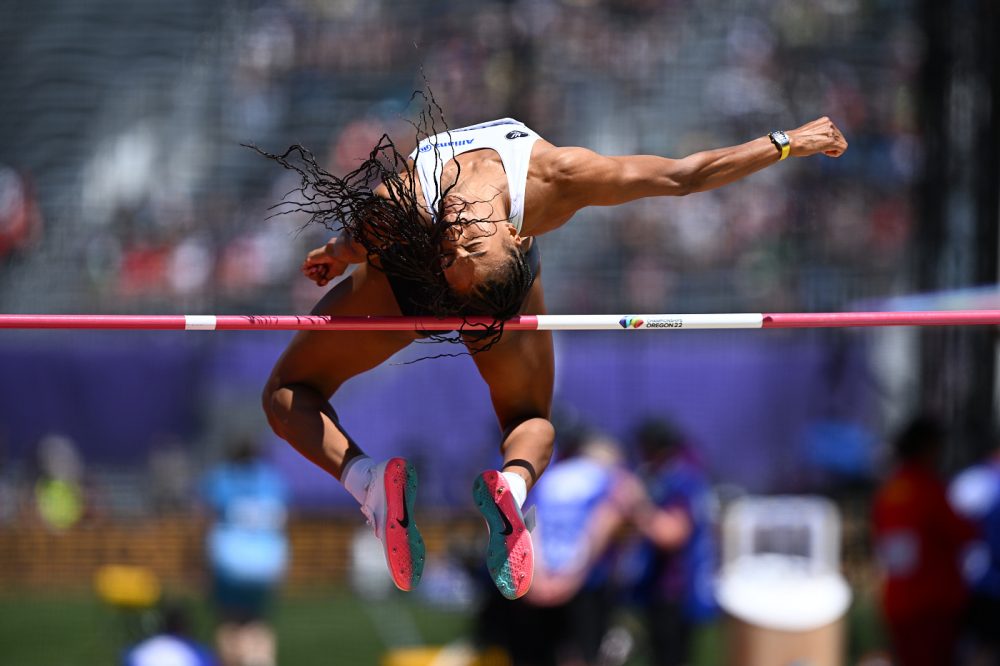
522	323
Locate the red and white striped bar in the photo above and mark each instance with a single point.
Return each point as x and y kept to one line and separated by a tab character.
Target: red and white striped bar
523	323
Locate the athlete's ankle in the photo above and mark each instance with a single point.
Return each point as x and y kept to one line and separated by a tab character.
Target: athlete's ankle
518	487
356	476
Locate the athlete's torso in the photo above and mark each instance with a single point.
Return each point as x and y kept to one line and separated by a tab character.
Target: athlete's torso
507	140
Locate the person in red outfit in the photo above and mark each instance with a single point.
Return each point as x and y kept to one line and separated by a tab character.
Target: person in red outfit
919	541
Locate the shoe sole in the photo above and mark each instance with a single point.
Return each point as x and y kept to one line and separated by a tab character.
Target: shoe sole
510	555
404	547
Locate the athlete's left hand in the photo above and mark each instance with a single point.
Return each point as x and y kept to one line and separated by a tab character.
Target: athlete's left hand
818	136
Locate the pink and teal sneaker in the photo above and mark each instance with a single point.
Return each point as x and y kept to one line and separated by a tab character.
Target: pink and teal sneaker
389	508
510	556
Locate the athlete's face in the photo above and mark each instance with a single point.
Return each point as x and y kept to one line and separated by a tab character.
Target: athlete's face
473	251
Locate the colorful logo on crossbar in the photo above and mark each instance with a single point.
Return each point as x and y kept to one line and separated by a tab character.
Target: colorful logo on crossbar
630	322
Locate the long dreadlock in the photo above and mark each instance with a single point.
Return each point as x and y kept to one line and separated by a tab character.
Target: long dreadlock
397	239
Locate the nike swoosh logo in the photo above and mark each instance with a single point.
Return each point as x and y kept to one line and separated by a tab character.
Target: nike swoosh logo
404	522
508	529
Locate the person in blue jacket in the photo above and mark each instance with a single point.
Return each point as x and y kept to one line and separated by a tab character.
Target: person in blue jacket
247	551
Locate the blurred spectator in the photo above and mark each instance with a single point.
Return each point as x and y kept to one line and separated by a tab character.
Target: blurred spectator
566	614
673	570
20	219
975	494
919	541
248	552
9	500
59	491
171	474
171	646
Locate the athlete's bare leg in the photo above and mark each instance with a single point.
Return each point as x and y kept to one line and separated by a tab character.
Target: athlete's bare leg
316	363
520	373
313	367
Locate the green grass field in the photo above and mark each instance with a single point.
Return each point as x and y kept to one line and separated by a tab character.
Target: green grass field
321	628
330	627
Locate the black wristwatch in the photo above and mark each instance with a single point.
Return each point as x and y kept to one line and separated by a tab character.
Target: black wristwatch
781	142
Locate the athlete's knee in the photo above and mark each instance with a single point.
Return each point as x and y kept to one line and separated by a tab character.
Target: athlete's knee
280	401
546	434
542	429
537	429
275	400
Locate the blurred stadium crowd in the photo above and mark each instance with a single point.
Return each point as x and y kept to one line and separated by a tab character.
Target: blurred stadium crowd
121	134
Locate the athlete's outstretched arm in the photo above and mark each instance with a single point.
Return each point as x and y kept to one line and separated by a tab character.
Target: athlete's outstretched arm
578	177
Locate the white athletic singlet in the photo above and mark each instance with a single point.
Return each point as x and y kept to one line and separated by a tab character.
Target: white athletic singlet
511	139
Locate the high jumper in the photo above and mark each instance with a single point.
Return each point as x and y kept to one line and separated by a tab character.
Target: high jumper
452	231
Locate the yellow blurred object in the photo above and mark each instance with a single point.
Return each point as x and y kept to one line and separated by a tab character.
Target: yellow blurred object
450	655
127	586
